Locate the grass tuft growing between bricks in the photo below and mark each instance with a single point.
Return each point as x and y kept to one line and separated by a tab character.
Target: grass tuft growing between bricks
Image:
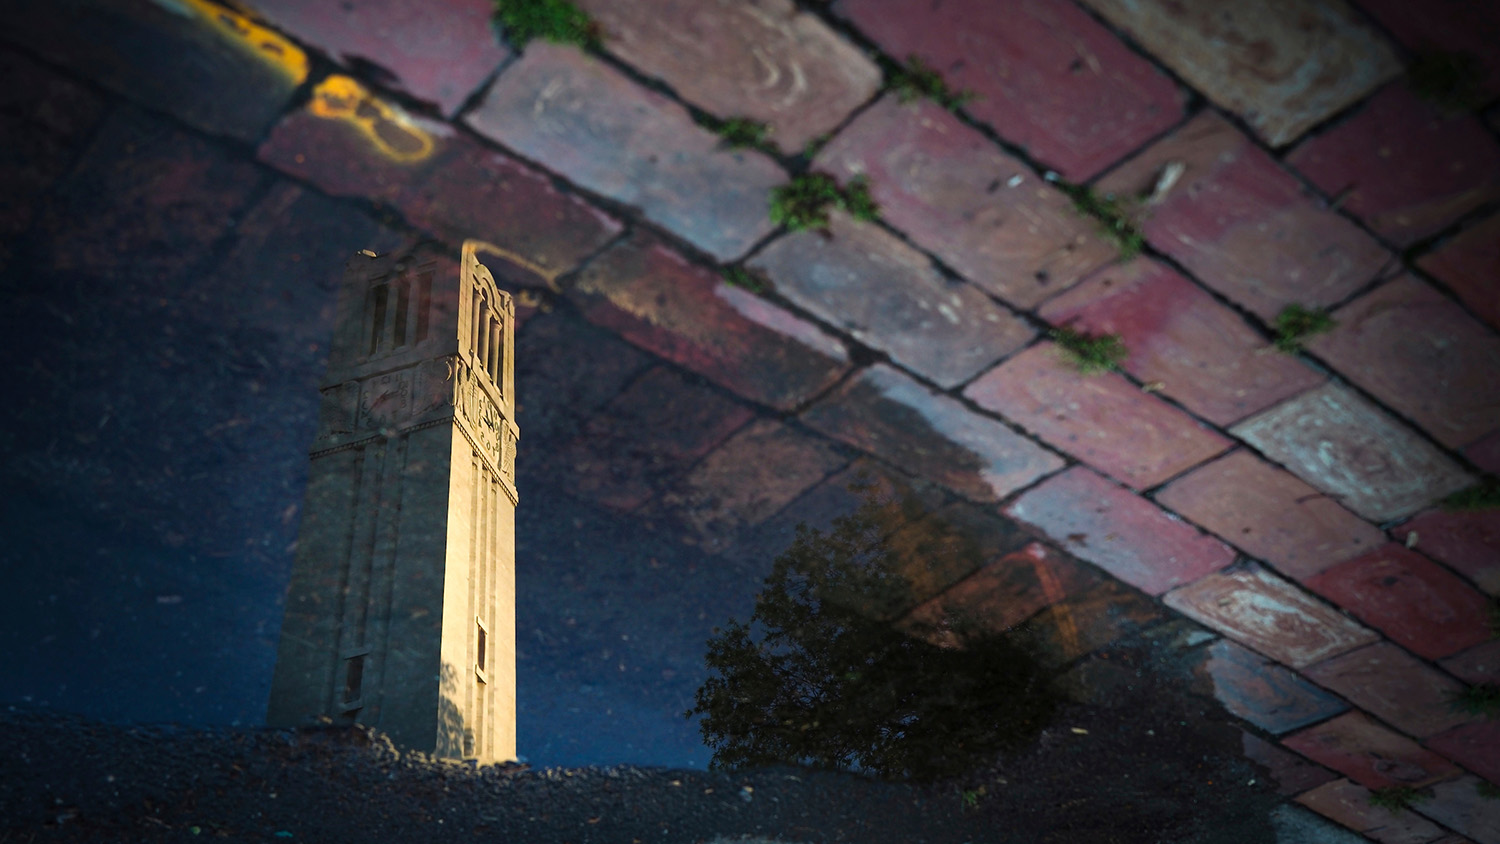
1089	354
744	133
1478	699
744	279
804	202
916	80
1396	797
1115	216
1484	495
558	21
1452	81
1295	324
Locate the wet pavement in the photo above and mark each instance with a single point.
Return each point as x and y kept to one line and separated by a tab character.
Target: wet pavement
183	182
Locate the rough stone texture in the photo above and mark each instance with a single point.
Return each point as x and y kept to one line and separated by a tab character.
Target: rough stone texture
863	280
1267	695
212	68
1458	804
1121	533
1284	68
1471	28
1394	686
1202	354
1357	747
1448	165
1467	541
1002	594
436	51
1045	74
584	120
1480	664
654	298
930	435
1418	352
1291	773
761	59
1411	599
1355	452
956	194
1349	804
1101	419
1269	514
1243	225
1269	615
1469	264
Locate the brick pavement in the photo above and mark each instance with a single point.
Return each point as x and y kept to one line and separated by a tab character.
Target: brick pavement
1290	502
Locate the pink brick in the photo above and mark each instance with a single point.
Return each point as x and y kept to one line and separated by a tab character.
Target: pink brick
1465	28
1120	532
1417	351
585	121
1243	225
1267	695
1202	354
1468	541
1468	264
1409	598
1479	664
1458	804
769	61
1103	420
956	194
1269	615
1404	166
1394	686
1371	755
1349	804
1475	745
1269	514
1047	76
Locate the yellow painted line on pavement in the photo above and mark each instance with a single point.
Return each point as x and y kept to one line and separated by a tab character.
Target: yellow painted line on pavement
264	43
392	132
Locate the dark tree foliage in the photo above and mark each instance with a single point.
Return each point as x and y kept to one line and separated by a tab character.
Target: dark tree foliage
821	677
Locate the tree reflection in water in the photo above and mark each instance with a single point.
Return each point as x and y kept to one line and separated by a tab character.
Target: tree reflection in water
822	675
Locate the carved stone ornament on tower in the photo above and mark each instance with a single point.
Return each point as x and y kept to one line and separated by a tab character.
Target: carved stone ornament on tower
401	610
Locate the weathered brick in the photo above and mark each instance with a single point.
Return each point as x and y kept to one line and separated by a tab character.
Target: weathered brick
1094	618
1269	514
1103	420
1417	351
1486	453
1269	615
1394	686
1371	755
656	299
1243	225
1283	71
770	62
1267	695
1120	532
888	295
1346	447
1349	804
1479	664
212	67
1453	28
587	122
1458	804
565	370
1468	264
1291	773
439	51
1468	541
1475	745
956	194
1046	75
1201	353
930	435
1409	598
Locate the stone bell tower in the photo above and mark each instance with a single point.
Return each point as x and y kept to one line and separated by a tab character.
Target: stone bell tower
401	611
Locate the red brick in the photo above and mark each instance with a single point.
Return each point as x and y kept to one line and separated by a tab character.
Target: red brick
435	51
1347	447
999	596
1269	615
1243	225
1467	541
1269	514
1203	354
1486	453
1479	664
954	193
1103	420
1267	695
1469	264
1409	598
654	298
1046	75
585	121
1291	773
769	61
1404	166
1471	28
1371	755
1458	804
1394	686
930	435
1417	351
1120	532
887	294
1475	745
1349	804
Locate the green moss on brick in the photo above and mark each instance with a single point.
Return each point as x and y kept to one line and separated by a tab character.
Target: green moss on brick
1295	324
558	21
804	202
915	80
1090	354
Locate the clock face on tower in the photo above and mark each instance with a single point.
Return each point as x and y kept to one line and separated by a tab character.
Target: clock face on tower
385	399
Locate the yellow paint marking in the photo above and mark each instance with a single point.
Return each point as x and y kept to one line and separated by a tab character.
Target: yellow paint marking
388	128
265	43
